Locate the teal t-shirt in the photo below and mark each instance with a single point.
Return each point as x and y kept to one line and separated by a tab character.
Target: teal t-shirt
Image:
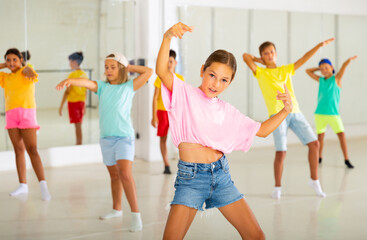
115	103
329	97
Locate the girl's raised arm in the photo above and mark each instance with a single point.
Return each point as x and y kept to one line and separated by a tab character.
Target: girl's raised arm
339	75
144	74
311	72
78	82
177	30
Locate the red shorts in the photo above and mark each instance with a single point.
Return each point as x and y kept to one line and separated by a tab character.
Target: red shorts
76	111
163	123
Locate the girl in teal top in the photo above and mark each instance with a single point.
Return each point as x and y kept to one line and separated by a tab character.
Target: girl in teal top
116	130
327	110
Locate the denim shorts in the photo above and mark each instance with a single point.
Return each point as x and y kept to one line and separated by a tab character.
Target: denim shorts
117	148
199	183
299	125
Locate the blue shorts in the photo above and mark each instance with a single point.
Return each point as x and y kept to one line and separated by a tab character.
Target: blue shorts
199	183
117	148
299	125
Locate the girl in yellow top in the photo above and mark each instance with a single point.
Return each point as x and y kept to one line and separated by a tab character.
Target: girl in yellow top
21	122
75	96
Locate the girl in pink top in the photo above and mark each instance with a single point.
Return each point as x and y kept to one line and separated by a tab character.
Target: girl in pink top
20	116
203	128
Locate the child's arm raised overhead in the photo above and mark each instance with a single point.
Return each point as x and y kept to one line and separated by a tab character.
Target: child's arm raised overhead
250	61
310	53
339	75
272	123
78	82
311	73
177	30
144	76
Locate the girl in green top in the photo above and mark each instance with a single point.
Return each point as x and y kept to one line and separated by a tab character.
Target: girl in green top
327	111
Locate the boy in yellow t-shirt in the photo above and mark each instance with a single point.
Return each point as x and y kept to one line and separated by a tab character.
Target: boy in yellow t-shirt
75	96
160	116
272	79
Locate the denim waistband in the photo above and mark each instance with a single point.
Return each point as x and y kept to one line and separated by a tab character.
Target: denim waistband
221	163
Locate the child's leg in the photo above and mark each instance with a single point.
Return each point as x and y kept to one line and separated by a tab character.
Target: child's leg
116	190
163	146
30	141
128	183
241	217
78	133
278	167
116	187
313	156
19	150
343	144
320	137
179	220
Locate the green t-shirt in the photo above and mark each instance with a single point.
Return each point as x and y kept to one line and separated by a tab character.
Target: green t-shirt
329	97
115	103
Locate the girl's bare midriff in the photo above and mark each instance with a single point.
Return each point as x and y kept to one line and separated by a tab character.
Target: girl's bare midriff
197	153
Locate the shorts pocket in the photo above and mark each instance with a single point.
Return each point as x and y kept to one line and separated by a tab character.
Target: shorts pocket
185	172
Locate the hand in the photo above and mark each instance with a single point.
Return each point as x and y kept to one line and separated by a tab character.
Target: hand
259	60
29	73
286	98
327	42
60	111
154	122
178	30
353	58
62	84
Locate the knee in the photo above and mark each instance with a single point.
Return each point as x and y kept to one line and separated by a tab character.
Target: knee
280	156
115	177
314	145
126	176
19	150
32	151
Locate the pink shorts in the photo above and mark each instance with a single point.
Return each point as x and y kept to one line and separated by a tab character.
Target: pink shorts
21	118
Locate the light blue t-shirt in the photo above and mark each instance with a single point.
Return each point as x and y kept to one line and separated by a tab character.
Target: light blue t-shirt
329	97
115	103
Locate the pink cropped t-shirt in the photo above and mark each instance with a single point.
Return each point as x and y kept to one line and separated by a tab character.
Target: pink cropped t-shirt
211	122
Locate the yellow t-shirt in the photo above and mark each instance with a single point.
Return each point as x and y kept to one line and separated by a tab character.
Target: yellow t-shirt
77	94
272	79
18	90
157	83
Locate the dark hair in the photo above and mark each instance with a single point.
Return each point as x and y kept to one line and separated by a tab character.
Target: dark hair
222	56
265	45
123	73
172	53
14	51
77	56
26	55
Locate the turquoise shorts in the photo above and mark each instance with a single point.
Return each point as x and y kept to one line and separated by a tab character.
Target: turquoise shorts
334	121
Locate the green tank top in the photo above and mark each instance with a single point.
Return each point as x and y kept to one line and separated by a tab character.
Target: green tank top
328	97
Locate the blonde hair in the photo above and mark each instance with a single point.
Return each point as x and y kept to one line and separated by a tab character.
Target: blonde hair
123	73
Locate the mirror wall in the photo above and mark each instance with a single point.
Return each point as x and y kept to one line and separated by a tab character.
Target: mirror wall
51	31
294	33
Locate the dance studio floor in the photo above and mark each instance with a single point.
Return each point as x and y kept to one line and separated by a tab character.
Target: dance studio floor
80	194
